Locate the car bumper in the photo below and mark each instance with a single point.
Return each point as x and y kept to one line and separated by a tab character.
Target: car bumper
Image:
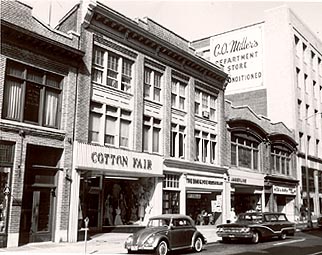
131	247
235	235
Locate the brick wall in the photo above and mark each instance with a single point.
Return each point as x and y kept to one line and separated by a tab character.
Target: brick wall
256	100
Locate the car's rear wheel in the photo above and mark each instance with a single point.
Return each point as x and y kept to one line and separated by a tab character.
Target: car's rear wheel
255	237
198	245
283	236
162	248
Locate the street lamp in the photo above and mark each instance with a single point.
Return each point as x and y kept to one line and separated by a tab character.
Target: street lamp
309	218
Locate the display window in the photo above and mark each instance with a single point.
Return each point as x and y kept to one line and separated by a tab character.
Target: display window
108	201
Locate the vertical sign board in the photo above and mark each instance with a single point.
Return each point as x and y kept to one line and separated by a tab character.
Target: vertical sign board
241	53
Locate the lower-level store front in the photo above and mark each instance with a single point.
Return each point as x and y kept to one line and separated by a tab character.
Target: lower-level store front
6	168
203	207
37	221
280	194
246	191
113	188
114	201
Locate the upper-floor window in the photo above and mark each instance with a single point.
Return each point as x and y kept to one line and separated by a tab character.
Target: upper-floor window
280	160
178	141
152	84
205	105
205	147
244	152
112	69
178	94
151	134
114	125
32	95
94	122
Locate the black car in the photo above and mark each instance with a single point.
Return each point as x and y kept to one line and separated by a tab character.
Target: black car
257	226
165	233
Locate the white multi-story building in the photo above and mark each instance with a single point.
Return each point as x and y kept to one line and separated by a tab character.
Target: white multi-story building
275	68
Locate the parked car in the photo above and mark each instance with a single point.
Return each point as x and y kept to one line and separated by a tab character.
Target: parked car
256	227
319	220
164	233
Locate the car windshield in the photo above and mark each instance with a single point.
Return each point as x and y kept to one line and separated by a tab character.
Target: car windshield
158	223
250	217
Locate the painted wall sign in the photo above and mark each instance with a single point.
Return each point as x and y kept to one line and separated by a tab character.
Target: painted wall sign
281	190
241	54
106	158
203	182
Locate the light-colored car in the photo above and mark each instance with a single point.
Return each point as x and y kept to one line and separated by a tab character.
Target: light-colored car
256	227
164	233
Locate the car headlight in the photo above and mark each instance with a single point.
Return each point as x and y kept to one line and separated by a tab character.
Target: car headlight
129	240
149	241
219	229
245	229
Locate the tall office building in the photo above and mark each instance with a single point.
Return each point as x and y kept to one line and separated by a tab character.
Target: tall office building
275	68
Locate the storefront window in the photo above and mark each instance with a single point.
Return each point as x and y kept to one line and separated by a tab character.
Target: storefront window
171	193
6	162
4	188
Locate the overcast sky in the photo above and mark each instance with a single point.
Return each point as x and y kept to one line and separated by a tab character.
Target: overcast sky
192	19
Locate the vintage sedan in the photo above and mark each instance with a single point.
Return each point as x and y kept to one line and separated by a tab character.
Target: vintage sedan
164	233
256	227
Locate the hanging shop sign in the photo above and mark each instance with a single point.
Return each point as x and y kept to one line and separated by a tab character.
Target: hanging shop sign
107	158
281	190
241	53
203	182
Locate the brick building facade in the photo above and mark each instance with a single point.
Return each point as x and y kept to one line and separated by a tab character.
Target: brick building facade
39	70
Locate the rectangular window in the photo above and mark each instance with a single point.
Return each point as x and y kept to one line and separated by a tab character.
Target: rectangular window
205	147
207	106
197	102
112	69
178	95
94	124
126	75
151	134
280	160
178	142
152	84
32	95
244	153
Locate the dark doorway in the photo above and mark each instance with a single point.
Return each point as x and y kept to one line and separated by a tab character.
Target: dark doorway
39	194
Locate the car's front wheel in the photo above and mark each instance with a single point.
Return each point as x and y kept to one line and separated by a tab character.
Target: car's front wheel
255	237
283	236
198	245
162	248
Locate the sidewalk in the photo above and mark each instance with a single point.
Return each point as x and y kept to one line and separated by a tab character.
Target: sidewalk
103	243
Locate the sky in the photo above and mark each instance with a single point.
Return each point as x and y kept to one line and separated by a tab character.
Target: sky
191	19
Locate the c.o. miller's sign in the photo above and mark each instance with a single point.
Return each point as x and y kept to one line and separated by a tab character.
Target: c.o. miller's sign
240	52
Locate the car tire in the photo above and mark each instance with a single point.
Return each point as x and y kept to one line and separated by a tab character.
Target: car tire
198	244
283	236
255	237
130	252
162	248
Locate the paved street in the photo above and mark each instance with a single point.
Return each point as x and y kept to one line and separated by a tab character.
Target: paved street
303	243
